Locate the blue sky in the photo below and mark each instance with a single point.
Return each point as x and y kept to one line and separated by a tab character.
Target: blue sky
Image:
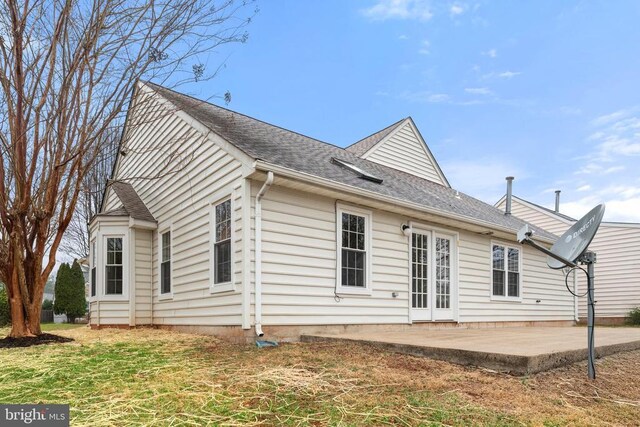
546	91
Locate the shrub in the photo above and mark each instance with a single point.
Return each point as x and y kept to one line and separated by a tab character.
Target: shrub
5	310
47	304
69	292
633	318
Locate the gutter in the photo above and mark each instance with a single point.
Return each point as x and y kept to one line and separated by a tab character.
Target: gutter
268	167
258	267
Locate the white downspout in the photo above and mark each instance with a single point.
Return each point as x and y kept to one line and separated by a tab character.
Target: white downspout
258	272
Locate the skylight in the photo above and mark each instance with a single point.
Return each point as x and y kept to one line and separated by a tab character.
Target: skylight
353	168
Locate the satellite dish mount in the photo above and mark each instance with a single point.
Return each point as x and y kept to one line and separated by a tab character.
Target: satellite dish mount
570	250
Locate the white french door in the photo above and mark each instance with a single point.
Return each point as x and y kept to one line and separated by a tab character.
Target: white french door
432	276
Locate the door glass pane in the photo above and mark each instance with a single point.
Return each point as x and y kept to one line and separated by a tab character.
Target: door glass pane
419	270
443	273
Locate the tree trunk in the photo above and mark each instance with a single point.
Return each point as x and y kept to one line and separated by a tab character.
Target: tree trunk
34	319
19	326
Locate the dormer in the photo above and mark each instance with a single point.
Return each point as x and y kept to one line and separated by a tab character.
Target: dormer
400	146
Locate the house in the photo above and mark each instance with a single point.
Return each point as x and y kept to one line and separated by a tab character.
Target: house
617	268
220	223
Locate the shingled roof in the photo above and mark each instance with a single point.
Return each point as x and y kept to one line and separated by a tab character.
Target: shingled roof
132	204
284	148
365	144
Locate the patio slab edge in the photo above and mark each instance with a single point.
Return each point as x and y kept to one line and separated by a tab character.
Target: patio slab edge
509	363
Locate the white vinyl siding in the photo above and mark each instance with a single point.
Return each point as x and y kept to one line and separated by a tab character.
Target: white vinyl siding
189	171
300	270
405	151
617	269
143	274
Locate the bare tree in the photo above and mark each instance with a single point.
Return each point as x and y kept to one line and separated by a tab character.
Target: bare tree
75	241
67	70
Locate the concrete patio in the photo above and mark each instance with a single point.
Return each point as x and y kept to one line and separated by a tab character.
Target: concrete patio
518	351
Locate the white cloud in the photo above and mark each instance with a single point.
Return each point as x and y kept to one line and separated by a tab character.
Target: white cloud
503	75
424	50
597	168
491	53
438	98
399	9
613	117
584	188
618	136
478	91
457	9
403	37
425	96
509	74
622	203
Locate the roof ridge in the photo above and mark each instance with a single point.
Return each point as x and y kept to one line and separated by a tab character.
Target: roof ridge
362	146
378	132
244	115
551	211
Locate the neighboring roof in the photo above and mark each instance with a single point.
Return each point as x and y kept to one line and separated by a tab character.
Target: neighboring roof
132	204
567	217
297	152
365	144
551	211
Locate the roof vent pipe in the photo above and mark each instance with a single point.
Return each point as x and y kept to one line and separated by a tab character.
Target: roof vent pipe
507	207
557	201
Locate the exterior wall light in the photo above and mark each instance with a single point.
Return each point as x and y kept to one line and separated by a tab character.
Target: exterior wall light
406	230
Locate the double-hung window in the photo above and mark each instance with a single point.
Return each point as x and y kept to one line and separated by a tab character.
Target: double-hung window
94	259
165	263
113	266
506	268
354	254
222	243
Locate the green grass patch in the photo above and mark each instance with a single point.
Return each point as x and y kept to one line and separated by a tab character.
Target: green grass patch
149	377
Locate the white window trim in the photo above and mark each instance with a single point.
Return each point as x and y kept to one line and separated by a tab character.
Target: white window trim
368	228
229	286
102	263
506	283
161	230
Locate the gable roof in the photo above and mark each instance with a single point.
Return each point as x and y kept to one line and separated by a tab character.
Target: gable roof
132	204
297	152
366	143
384	146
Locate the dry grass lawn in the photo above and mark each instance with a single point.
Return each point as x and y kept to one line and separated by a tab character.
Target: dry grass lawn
150	377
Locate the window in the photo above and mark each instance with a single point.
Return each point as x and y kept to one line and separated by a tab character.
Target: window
165	264
222	243
94	259
505	271
354	252
113	276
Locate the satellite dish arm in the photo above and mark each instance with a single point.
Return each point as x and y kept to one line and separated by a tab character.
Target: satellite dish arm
524	236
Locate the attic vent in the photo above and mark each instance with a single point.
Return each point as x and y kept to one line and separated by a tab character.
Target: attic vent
353	168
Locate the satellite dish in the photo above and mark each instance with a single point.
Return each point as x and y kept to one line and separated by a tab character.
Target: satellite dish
574	242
